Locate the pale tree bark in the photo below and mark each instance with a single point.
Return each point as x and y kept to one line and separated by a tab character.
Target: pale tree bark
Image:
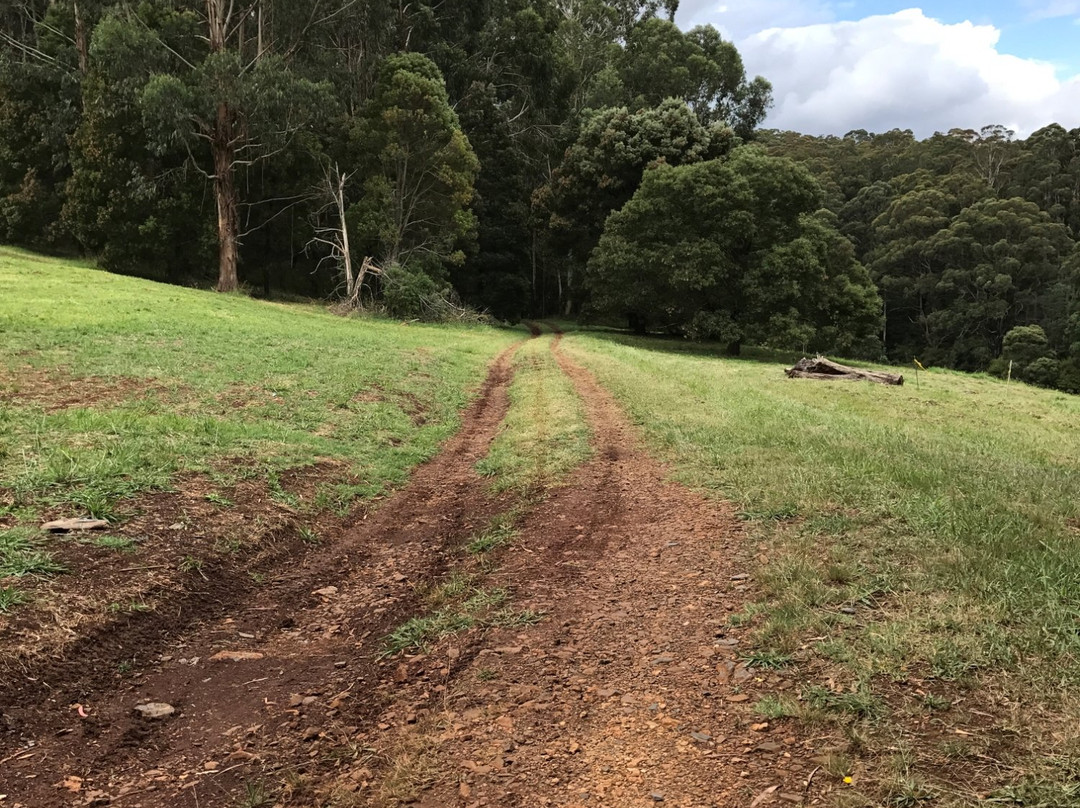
335	236
352	289
222	147
81	46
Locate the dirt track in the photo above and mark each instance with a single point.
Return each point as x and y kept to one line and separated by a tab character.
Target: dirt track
628	693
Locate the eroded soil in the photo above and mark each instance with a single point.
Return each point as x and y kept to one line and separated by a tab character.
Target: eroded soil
630	691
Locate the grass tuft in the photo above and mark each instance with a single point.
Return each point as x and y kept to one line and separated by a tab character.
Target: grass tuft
10	597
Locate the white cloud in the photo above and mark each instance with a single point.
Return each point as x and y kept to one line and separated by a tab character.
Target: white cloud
737	19
904	70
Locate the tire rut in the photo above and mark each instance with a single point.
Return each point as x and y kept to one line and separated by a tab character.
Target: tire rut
312	637
633	691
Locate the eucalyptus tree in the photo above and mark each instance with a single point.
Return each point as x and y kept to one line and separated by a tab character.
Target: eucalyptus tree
232	100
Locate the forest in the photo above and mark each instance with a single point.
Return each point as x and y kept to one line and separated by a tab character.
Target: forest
526	158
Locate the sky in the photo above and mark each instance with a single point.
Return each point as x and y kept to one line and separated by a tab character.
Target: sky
839	65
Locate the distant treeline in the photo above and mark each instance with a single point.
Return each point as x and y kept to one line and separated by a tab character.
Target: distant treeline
527	158
970	237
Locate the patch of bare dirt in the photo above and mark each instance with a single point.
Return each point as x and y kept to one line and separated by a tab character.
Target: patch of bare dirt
181	541
57	389
266	679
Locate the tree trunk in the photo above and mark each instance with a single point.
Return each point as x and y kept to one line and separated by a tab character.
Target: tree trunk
225	193
824	370
222	147
81	46
734	348
352	288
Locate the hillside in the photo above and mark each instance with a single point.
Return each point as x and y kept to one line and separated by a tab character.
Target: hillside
829	593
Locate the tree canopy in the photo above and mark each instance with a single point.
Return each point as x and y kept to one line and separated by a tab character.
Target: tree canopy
526	157
734	249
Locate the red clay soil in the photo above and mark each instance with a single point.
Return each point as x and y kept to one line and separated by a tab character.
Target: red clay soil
317	629
630	691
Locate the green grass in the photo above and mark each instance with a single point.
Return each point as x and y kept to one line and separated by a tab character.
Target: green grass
119	544
112	386
498	533
21	554
545	434
419	632
775	707
10	597
914	534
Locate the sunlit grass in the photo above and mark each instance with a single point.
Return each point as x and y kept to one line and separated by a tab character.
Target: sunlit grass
908	533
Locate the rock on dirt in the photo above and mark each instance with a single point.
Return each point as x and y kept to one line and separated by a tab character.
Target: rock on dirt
69	525
155	710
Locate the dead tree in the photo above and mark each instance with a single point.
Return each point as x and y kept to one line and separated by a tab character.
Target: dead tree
332	232
824	370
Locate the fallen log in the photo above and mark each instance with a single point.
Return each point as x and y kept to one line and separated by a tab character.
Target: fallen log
825	370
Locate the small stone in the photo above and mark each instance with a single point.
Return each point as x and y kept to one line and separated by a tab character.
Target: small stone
510	649
701	736
657	796
311	733
664	659
295	700
738	697
155	710
847	610
326	591
742	576
211	765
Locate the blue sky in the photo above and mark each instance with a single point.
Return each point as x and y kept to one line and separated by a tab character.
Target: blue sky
838	65
1035	30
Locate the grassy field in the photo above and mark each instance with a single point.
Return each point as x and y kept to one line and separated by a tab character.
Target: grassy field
915	547
112	387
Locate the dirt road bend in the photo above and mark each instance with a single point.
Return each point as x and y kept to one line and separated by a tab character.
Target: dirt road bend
632	691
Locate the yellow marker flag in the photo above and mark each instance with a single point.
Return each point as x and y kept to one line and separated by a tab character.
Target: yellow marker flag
918	364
